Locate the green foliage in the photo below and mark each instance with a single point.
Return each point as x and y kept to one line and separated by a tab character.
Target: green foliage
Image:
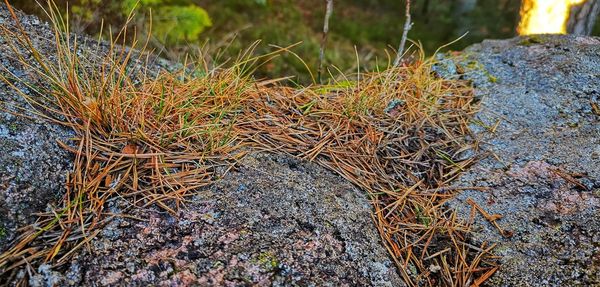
173	21
129	5
174	24
372	26
81	9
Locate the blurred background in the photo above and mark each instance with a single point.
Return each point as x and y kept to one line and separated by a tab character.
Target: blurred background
367	30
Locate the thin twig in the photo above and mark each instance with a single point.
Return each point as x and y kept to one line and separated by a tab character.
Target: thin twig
407	26
328	13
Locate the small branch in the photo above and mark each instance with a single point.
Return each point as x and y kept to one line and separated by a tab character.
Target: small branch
407	26
328	13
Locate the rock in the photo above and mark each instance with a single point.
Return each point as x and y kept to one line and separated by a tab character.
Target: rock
32	165
272	221
545	182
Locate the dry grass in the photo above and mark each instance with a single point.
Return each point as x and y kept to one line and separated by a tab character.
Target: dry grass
399	134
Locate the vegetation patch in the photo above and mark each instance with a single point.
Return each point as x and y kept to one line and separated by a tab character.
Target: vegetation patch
532	40
3	233
400	134
268	261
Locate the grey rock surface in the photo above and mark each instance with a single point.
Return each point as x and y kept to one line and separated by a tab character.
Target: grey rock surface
544	178
273	221
32	165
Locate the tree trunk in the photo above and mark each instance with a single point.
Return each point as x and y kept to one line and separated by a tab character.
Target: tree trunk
463	21
583	17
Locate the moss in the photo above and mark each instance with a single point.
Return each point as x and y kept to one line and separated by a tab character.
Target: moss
268	260
3	232
531	40
471	64
421	218
545	39
13	127
474	65
477	66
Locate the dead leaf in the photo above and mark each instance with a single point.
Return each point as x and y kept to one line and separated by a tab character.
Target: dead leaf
130	149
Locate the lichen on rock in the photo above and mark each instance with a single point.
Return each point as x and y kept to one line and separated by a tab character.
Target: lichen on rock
544	177
274	220
32	164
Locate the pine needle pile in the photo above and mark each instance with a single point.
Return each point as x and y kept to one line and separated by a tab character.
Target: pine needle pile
400	134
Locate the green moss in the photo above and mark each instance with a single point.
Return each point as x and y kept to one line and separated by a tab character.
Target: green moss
421	218
471	64
531	40
268	260
13	127
3	232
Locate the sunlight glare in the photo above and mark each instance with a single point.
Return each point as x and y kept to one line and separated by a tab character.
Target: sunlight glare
545	16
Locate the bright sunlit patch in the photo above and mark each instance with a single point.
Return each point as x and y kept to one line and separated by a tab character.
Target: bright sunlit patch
545	16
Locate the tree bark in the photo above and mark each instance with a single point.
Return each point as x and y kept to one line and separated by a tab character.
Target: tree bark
463	21
464	6
583	17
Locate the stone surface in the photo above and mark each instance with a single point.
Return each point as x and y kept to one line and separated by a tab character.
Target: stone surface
32	164
272	221
544	177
